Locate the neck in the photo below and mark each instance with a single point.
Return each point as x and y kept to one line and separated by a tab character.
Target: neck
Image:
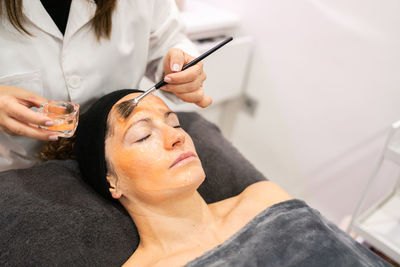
171	223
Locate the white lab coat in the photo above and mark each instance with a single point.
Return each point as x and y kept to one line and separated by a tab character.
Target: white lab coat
76	67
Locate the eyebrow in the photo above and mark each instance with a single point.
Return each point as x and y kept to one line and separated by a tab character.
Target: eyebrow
147	119
169	113
121	113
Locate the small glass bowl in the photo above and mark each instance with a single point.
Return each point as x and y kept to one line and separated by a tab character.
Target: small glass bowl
65	116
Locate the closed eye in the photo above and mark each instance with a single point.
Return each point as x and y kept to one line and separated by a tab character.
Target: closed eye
142	139
178	126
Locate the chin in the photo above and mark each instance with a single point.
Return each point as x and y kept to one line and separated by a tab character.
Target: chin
181	182
181	187
188	177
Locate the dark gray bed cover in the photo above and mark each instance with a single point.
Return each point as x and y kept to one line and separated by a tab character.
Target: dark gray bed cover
289	233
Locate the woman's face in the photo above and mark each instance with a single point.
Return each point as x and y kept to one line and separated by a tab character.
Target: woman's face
150	155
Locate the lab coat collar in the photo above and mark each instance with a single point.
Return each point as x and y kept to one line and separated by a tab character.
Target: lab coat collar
37	14
80	13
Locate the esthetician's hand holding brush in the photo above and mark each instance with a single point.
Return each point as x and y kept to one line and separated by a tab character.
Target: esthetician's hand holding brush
187	84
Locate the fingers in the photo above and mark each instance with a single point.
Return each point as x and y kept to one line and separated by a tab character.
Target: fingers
196	97
174	60
187	84
18	120
32	101
14	128
190	74
205	102
28	98
192	97
16	117
183	88
21	113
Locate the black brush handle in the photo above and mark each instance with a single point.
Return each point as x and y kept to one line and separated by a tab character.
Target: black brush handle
198	59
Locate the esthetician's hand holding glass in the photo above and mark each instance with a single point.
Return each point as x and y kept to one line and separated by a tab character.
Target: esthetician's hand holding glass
16	117
188	84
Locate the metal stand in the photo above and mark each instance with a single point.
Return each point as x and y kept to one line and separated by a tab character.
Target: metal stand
380	224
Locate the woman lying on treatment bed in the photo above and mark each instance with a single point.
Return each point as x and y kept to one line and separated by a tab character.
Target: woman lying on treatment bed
149	164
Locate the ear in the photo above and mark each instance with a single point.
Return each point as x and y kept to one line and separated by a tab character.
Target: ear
115	192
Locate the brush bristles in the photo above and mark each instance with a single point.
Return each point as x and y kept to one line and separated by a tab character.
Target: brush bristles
125	108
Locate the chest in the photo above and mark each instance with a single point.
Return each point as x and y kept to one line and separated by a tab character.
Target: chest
229	226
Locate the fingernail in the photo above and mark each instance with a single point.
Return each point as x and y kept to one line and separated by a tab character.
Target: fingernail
53	137
49	123
176	67
167	79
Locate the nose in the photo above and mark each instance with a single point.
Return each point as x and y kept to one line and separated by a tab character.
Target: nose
173	137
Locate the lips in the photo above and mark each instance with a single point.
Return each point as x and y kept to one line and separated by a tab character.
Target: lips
182	157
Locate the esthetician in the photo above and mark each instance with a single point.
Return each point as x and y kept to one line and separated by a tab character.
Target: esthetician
78	51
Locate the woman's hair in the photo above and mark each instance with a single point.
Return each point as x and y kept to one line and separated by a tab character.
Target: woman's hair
101	22
63	148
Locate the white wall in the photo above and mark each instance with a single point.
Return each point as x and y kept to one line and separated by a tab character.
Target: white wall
327	76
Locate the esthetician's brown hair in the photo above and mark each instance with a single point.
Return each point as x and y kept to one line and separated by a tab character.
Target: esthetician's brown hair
101	22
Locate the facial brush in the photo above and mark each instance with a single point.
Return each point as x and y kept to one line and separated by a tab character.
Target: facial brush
125	108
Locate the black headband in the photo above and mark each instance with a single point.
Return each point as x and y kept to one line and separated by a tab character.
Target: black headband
90	138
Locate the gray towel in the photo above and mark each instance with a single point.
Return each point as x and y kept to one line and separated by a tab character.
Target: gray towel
289	233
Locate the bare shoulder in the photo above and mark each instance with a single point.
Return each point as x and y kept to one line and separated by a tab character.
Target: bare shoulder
254	199
264	194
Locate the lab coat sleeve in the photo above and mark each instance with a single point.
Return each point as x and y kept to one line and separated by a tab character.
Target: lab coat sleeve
166	33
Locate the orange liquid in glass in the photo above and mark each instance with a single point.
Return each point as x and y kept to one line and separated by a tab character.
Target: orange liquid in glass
64	115
61	125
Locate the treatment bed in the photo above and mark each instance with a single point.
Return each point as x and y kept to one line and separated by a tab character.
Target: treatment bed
50	217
